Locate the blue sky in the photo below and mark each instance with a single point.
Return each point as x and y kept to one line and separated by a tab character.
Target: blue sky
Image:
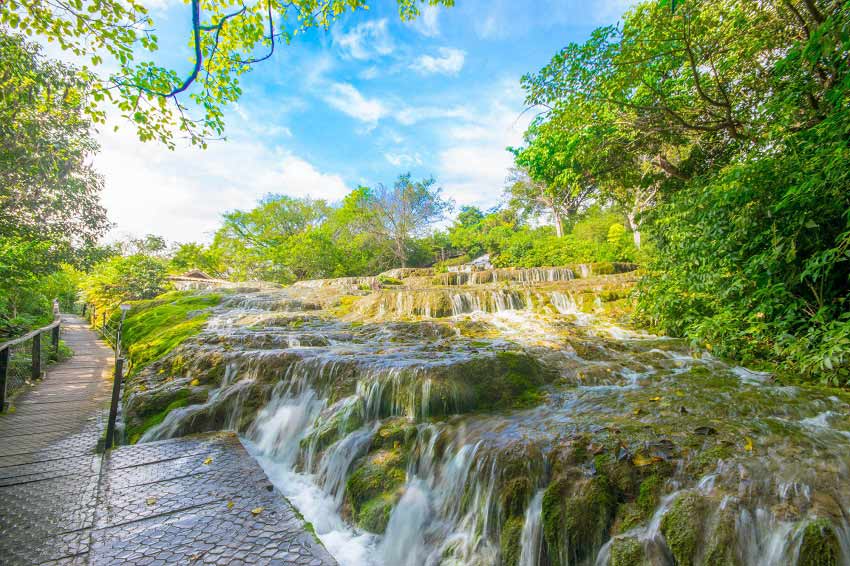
372	98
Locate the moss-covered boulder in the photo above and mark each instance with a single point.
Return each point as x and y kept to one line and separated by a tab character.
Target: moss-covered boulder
373	488
577	517
510	541
627	551
819	545
682	528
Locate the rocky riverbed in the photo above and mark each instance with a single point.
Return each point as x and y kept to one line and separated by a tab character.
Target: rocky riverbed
507	417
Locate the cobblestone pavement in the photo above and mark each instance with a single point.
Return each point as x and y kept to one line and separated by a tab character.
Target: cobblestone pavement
193	500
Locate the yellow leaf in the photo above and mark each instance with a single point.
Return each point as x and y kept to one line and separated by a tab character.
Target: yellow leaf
150	500
640	460
637	411
230	505
194	382
748	445
257	510
208	461
655	398
680	393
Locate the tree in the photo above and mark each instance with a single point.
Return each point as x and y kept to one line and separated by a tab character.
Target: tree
227	39
720	128
399	213
50	210
120	279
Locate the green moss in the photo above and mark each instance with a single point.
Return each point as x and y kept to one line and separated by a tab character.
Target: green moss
384	280
346	304
577	516
134	432
720	550
819	546
375	513
514	496
372	489
641	509
681	527
509	542
627	552
155	327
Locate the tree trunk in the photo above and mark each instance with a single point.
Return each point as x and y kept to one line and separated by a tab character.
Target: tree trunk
635	226
559	223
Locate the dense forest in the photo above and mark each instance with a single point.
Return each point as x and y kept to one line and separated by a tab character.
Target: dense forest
707	141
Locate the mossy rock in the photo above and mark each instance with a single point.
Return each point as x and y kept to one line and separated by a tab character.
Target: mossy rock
373	487
510	541
374	515
638	511
819	545
577	516
627	551
155	412
681	527
721	548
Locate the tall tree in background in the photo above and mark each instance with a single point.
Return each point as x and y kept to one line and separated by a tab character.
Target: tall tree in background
406	210
549	176
227	39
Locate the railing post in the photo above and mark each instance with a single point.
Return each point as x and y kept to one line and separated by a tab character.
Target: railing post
36	356
54	339
103	322
84	310
4	367
113	407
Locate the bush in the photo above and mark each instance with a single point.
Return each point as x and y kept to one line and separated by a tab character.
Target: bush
121	279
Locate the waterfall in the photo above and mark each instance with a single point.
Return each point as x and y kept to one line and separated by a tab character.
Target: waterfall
532	532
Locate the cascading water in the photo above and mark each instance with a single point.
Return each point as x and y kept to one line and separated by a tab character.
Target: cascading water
502	423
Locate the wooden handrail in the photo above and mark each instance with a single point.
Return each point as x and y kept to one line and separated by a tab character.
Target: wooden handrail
35	336
57	318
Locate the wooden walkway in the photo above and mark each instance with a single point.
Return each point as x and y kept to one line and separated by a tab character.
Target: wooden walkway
183	501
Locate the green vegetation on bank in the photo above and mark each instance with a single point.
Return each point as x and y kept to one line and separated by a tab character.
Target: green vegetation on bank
154	327
720	129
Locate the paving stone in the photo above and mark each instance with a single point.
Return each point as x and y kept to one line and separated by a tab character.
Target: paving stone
180	501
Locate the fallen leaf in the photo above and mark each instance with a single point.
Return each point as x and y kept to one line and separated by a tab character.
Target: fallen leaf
655	398
208	461
637	411
257	510
194	382
230	505
748	445
150	500
705	430
640	460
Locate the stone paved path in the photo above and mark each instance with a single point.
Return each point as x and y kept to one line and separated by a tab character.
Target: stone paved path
185	501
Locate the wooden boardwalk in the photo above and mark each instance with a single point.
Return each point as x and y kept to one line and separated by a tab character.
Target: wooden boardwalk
183	501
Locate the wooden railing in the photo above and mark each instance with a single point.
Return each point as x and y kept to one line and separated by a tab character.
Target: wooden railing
22	359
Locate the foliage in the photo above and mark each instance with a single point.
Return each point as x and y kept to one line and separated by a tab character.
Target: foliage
513	243
226	41
50	214
721	129
121	279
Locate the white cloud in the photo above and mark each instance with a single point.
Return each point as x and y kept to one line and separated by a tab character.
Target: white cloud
181	194
473	165
365	41
410	115
448	62
348	100
428	22
403	159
